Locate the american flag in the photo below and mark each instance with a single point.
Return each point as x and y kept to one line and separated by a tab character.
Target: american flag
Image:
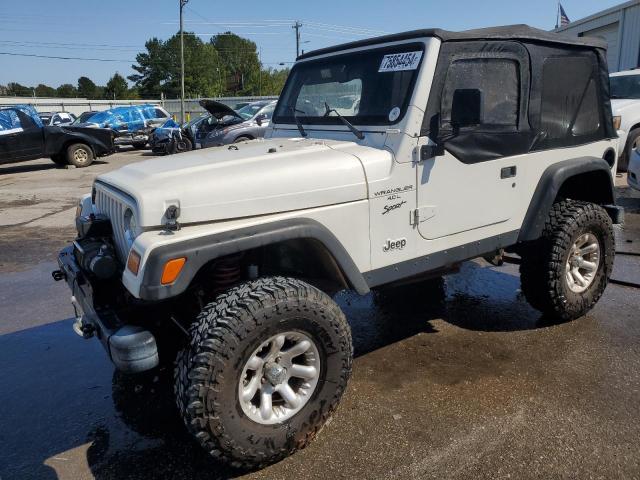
564	19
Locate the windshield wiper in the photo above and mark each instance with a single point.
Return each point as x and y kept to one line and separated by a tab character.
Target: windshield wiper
349	125
298	122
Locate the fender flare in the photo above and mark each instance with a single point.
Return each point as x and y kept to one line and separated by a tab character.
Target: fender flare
549	186
202	250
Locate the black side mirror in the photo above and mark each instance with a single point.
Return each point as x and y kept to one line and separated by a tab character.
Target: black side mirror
466	108
261	118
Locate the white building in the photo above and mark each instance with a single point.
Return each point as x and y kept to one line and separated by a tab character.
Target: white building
620	27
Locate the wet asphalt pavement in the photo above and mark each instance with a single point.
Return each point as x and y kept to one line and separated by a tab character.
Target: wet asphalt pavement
458	380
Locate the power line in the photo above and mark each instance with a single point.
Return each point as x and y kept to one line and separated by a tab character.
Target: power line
10	43
74	44
65	58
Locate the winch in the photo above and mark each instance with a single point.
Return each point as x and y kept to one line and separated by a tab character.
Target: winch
93	248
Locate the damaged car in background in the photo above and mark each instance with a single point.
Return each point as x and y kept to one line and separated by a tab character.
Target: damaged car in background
24	137
133	124
222	125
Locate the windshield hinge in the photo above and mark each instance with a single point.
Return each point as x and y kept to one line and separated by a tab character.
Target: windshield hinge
414	217
421	214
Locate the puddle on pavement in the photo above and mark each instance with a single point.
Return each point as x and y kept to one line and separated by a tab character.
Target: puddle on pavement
62	400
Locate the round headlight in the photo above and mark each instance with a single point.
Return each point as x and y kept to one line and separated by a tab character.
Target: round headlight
130	226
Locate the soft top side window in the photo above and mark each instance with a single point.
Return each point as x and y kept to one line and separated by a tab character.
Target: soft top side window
570	105
497	83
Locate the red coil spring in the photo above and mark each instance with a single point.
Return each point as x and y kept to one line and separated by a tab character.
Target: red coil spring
227	273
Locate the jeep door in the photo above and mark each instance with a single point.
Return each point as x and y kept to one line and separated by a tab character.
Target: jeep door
476	115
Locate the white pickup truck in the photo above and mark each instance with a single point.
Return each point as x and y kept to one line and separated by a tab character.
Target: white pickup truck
625	104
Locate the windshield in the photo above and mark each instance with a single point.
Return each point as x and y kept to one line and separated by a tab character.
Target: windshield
248	111
371	87
625	86
84	117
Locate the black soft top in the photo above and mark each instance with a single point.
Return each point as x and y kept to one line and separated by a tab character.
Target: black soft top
507	32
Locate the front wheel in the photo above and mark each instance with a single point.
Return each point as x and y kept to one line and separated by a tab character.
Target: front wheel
265	368
184	145
565	272
79	155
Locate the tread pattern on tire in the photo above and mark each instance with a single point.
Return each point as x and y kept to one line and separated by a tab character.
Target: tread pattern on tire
542	267
216	334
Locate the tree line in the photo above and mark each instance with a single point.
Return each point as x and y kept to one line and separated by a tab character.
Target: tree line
226	65
116	87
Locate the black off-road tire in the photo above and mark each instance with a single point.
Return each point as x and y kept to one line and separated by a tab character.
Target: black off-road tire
543	266
632	141
223	338
79	155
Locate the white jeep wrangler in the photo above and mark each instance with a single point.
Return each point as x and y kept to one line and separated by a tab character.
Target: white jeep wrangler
450	146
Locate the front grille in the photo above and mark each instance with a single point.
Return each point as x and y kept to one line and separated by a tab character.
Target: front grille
113	204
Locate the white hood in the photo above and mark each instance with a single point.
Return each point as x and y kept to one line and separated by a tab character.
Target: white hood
241	180
619	105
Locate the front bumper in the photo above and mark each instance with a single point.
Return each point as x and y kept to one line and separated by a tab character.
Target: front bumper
131	348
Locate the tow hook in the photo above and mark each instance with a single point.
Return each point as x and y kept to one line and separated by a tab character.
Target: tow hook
58	275
85	330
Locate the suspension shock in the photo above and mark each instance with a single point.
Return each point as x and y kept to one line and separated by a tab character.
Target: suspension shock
226	273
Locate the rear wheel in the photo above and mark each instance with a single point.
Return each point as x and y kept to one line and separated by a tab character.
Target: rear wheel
633	141
565	272
266	366
80	155
59	159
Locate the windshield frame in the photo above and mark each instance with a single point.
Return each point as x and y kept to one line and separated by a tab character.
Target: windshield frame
280	115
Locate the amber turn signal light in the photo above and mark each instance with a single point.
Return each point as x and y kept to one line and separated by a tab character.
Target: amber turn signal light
133	262
172	269
617	121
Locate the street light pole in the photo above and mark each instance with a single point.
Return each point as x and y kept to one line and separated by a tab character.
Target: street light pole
182	4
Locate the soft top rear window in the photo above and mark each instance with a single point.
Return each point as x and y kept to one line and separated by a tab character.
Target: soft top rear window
370	87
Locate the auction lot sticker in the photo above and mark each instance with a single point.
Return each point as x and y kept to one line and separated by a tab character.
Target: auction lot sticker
398	62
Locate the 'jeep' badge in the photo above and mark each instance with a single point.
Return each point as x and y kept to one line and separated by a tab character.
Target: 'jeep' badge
391	245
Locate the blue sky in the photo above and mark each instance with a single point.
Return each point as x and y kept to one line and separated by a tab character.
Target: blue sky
117	29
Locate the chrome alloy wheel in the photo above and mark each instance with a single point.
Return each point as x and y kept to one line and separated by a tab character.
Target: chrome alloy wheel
279	378
582	263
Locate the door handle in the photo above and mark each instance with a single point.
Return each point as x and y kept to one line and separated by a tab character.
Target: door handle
508	172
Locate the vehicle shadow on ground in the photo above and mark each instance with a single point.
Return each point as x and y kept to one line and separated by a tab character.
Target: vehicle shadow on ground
66	408
37	167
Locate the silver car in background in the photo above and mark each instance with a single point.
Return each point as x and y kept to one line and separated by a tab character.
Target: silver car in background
226	125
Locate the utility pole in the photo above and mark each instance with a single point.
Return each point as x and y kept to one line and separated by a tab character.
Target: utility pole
182	4
260	71
296	27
